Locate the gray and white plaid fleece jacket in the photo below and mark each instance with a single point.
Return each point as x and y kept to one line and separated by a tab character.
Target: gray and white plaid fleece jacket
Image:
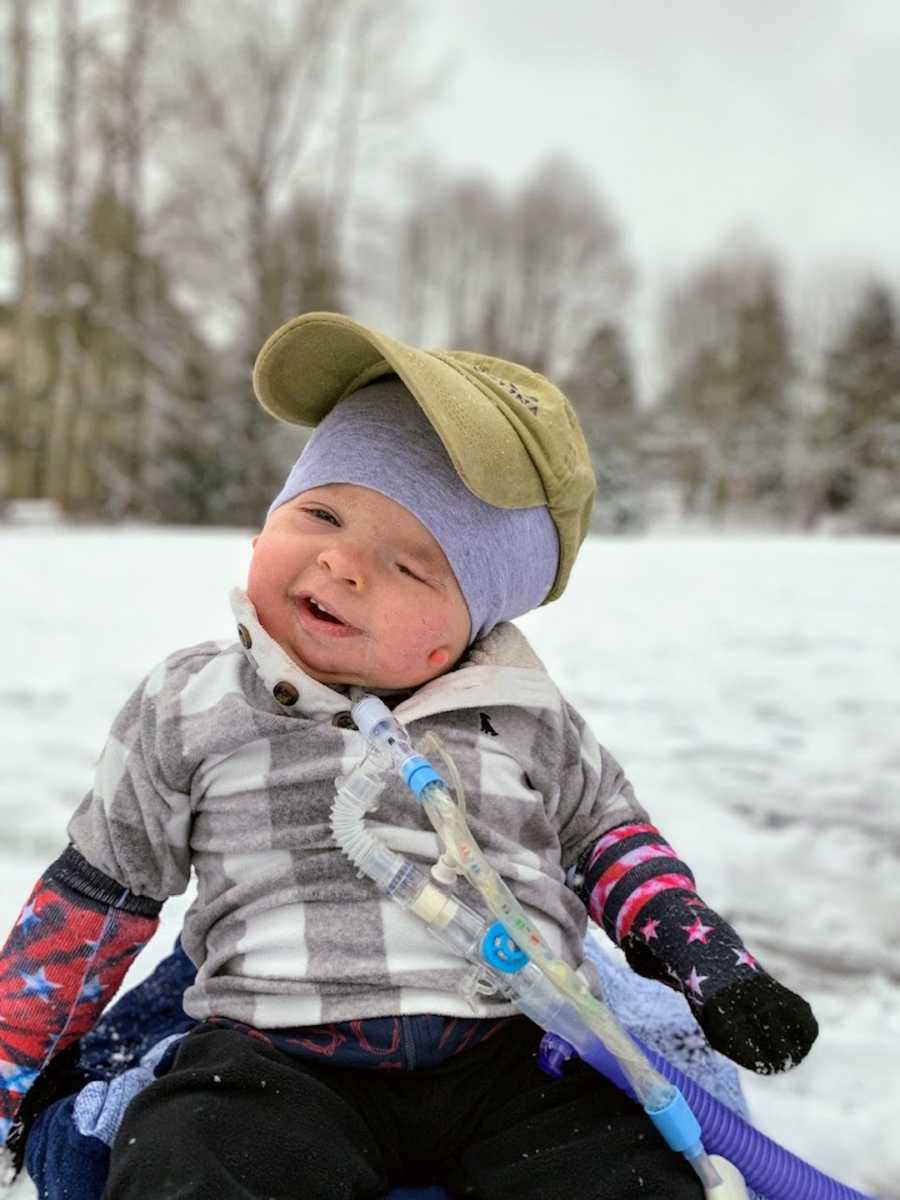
225	760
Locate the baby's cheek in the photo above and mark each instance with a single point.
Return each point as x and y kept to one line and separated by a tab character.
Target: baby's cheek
416	640
419	642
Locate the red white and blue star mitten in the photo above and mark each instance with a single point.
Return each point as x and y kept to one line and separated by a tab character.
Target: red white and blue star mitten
63	961
644	897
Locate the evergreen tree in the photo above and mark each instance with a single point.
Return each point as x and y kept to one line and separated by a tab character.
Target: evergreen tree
763	371
857	435
729	399
602	390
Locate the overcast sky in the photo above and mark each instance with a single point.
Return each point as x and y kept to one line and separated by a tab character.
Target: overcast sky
700	120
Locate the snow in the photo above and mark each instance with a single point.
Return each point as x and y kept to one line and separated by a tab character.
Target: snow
749	685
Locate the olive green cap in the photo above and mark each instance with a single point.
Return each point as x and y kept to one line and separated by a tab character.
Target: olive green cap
512	436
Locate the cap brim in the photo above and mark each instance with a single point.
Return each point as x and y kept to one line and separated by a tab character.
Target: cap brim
308	365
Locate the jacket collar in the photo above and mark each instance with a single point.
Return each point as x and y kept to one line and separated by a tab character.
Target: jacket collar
500	669
275	667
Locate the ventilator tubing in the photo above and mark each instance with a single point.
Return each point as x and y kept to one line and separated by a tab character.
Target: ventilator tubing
769	1169
549	992
516	959
388	737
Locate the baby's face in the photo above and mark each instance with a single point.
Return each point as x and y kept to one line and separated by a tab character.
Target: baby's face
356	589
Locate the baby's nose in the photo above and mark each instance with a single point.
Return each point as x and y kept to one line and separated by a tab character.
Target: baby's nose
344	562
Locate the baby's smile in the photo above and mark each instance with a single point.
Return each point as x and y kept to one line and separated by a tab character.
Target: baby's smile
318	618
319	610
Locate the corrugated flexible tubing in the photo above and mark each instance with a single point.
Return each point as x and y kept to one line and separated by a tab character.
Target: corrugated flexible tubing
768	1168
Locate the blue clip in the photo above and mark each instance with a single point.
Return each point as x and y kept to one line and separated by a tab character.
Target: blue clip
500	951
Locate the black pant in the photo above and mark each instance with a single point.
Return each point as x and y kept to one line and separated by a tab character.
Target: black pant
236	1119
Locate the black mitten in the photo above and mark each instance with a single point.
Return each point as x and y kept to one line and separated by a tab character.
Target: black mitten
644	897
759	1023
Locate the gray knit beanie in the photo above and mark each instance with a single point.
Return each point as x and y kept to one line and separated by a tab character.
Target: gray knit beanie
505	559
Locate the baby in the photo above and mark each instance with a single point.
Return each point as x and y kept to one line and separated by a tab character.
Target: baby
441	495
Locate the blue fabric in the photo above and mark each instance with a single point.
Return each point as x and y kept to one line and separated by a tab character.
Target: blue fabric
412	1193
375	1043
64	1164
100	1105
660	1017
67	1154
140	1019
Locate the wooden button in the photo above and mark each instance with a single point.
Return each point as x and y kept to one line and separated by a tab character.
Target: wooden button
285	693
246	640
343	720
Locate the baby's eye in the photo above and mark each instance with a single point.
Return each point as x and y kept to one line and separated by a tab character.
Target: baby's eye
406	571
322	514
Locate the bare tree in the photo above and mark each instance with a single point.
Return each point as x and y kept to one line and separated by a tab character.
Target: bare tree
138	21
66	393
568	265
451	259
528	276
206	173
256	94
258	205
108	120
17	474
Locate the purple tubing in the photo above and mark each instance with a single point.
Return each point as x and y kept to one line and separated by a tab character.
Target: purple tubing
768	1168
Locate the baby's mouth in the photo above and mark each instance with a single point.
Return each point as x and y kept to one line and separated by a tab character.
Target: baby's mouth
318	618
320	612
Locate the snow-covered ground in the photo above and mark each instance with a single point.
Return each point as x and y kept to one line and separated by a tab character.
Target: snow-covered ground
751	686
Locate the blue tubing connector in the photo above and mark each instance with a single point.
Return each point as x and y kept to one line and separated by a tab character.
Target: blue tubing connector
678	1125
768	1168
418	774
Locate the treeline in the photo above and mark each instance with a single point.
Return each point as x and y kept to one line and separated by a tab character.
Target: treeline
181	178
